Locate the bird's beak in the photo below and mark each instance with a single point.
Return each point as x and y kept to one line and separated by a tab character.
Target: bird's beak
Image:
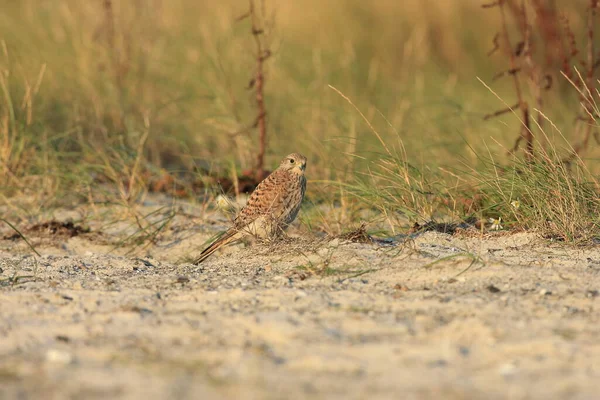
299	168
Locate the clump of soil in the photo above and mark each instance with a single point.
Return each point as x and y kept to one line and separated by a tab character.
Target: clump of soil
358	235
52	228
447	227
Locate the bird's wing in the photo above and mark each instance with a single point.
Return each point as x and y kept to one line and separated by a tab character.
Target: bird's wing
266	199
294	202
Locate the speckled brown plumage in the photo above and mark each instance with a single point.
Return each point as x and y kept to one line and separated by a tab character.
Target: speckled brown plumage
271	208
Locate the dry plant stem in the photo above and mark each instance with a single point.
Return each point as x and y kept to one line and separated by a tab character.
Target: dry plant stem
590	73
21	235
586	96
134	176
535	76
549	25
111	43
259	81
590	45
501	112
109	21
526	132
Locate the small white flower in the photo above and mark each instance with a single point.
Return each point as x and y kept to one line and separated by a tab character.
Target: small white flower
496	223
224	203
516	204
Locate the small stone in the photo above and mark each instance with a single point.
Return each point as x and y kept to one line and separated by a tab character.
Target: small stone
314	259
438	363
493	289
63	338
507	369
58	356
334	243
401	287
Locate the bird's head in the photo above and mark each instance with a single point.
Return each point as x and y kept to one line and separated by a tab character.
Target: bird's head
295	163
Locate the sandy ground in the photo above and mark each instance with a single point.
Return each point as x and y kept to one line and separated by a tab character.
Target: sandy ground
412	319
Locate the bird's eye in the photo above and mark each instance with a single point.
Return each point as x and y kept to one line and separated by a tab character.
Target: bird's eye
292	161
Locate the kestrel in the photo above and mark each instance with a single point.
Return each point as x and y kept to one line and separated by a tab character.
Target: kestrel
271	208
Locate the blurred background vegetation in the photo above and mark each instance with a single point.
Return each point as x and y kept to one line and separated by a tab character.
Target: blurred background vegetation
127	91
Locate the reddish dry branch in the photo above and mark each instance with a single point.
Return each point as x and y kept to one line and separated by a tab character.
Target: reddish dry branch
259	82
533	69
586	95
590	44
568	56
557	43
109	21
490	5
516	145
496	43
517	9
512	71
501	112
549	28
526	132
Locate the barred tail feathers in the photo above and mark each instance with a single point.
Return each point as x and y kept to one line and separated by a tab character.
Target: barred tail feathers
227	237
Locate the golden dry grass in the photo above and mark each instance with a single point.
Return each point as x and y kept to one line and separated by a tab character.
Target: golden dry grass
119	94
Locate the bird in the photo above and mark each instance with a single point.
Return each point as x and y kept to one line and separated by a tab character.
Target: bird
271	208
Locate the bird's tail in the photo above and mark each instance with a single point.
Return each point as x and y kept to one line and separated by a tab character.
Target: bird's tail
227	237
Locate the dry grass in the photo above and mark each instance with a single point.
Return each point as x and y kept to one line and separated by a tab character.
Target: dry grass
103	101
